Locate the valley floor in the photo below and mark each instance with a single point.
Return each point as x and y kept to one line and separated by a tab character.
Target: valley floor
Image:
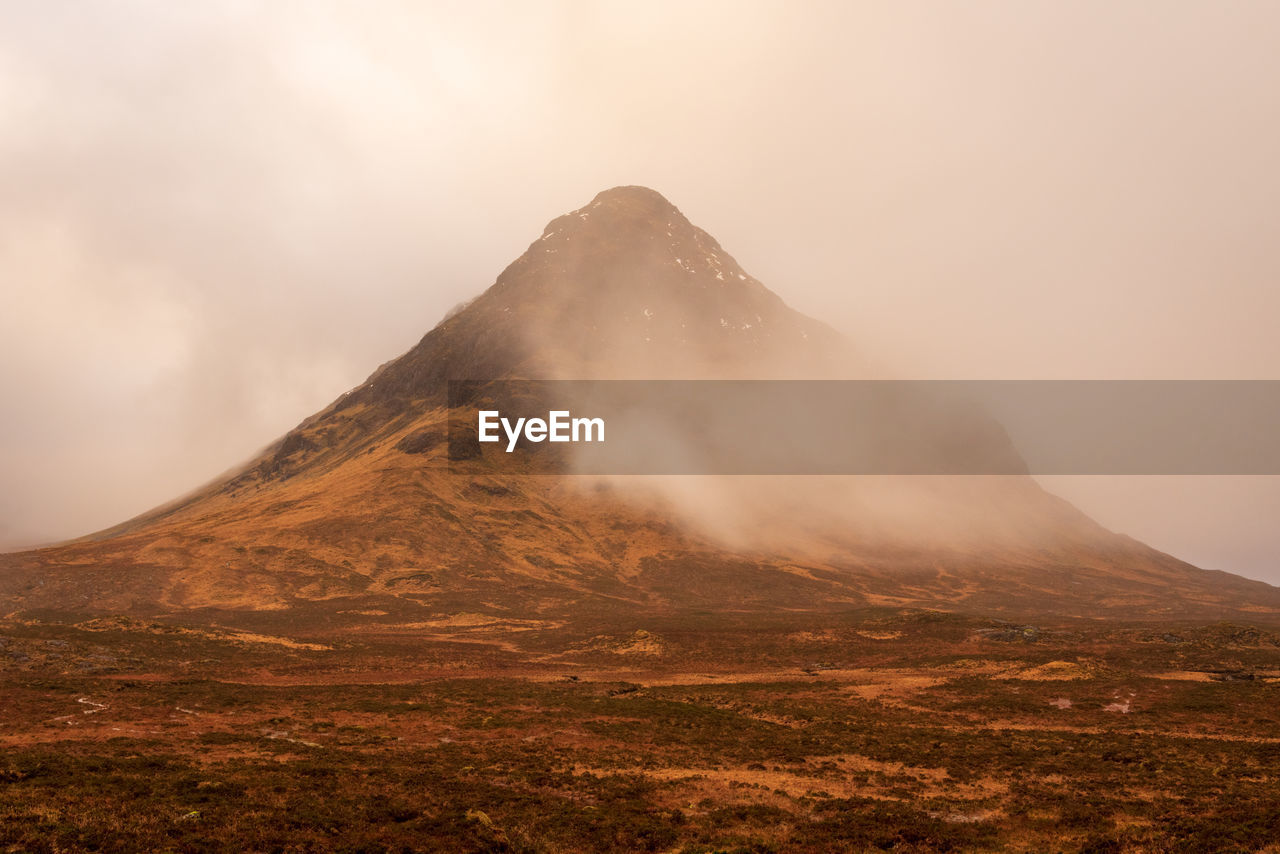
861	731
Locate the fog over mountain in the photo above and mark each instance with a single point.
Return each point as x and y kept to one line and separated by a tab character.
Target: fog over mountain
216	218
377	505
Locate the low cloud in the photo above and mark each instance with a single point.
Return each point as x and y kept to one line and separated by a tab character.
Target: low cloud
216	217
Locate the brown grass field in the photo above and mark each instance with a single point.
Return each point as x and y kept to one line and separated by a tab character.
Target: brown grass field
865	730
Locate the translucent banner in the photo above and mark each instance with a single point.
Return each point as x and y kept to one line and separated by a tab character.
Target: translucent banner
999	427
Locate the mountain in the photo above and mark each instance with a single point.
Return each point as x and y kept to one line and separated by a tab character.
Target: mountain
355	514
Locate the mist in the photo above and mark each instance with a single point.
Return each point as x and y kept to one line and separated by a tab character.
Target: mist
216	218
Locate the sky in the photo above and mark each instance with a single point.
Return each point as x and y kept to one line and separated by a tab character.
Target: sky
217	217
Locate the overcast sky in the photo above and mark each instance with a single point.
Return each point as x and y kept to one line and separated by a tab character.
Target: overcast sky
216	217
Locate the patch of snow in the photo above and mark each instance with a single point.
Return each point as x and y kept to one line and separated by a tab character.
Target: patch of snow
742	277
1060	703
1122	706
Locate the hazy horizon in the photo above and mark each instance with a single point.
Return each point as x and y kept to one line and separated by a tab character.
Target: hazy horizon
219	218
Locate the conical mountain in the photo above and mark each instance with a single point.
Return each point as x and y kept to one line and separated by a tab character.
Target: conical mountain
356	512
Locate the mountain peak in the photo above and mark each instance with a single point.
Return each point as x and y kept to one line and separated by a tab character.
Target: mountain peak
625	213
634	196
624	286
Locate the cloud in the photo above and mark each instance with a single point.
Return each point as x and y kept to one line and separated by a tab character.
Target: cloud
219	216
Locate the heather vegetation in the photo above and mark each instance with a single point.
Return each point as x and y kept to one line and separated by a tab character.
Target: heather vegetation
864	731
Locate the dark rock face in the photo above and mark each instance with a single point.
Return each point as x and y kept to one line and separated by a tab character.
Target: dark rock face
421	442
